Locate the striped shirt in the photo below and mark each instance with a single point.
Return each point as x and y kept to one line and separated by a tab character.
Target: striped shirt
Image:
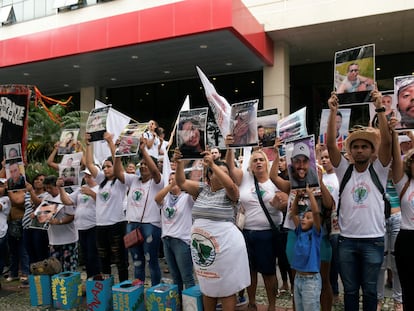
213	205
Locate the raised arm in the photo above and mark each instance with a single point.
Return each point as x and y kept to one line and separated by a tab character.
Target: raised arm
282	184
159	197
232	190
51	159
397	163
64	196
89	156
314	208
152	167
190	186
334	152
235	173
384	149
294	209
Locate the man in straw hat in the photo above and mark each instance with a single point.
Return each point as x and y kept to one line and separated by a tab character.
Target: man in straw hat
361	208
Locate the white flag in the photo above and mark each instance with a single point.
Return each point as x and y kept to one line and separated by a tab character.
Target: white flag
115	123
218	104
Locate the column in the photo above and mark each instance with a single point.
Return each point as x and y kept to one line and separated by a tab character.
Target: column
276	81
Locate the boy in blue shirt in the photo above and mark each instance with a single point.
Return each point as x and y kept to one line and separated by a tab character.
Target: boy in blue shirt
306	259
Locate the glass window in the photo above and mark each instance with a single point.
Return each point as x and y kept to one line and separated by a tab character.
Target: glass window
40	8
28	9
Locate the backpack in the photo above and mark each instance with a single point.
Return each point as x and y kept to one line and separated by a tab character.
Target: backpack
375	180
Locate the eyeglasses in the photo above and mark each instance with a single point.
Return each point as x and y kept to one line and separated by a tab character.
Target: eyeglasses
353	70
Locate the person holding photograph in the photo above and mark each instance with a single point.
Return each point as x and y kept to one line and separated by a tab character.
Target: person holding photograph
63	236
217	245
354	82
84	201
301	171
143	212
260	236
16	180
307	253
361	208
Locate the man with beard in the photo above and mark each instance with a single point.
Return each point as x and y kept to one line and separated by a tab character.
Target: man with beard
301	172
405	103
361	205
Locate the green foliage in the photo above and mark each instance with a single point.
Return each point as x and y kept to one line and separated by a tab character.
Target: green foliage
34	168
43	132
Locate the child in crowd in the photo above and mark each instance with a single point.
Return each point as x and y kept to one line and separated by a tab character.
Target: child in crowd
306	259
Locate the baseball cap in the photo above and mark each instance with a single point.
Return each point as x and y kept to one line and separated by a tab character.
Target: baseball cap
301	149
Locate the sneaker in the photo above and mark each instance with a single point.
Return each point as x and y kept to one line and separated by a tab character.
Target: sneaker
241	301
10	279
23	278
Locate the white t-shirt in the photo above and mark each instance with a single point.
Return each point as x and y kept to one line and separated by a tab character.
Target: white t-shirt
153	151
361	214
331	182
85	208
4	213
255	217
140	194
65	233
176	216
407	203
109	199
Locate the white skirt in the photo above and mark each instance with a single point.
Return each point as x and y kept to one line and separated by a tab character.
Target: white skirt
220	257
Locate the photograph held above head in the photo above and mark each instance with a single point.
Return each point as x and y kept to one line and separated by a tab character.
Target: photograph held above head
190	139
405	100
354	82
302	172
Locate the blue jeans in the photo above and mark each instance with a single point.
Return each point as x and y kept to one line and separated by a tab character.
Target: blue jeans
18	257
360	261
392	228
334	272
87	242
148	251
307	292
178	256
3	252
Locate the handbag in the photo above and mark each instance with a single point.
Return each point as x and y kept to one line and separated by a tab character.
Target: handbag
240	218
135	237
275	228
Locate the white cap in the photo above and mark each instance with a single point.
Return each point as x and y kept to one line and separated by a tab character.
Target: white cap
301	149
403	139
86	171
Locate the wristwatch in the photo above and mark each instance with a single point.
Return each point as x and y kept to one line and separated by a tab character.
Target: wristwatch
382	109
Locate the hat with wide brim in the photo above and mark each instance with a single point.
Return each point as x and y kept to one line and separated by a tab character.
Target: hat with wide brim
366	133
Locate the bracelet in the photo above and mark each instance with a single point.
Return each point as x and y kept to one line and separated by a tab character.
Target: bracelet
381	109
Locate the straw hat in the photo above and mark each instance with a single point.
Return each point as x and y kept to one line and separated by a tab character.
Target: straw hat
366	133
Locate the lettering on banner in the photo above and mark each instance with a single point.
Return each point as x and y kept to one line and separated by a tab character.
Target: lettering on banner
11	112
38	287
97	289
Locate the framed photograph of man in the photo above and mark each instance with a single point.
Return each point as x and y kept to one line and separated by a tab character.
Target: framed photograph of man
266	131
73	159
44	213
191	132
390	103
68	140
301	161
342	118
15	174
292	126
404	96
13	152
354	74
243	124
96	123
